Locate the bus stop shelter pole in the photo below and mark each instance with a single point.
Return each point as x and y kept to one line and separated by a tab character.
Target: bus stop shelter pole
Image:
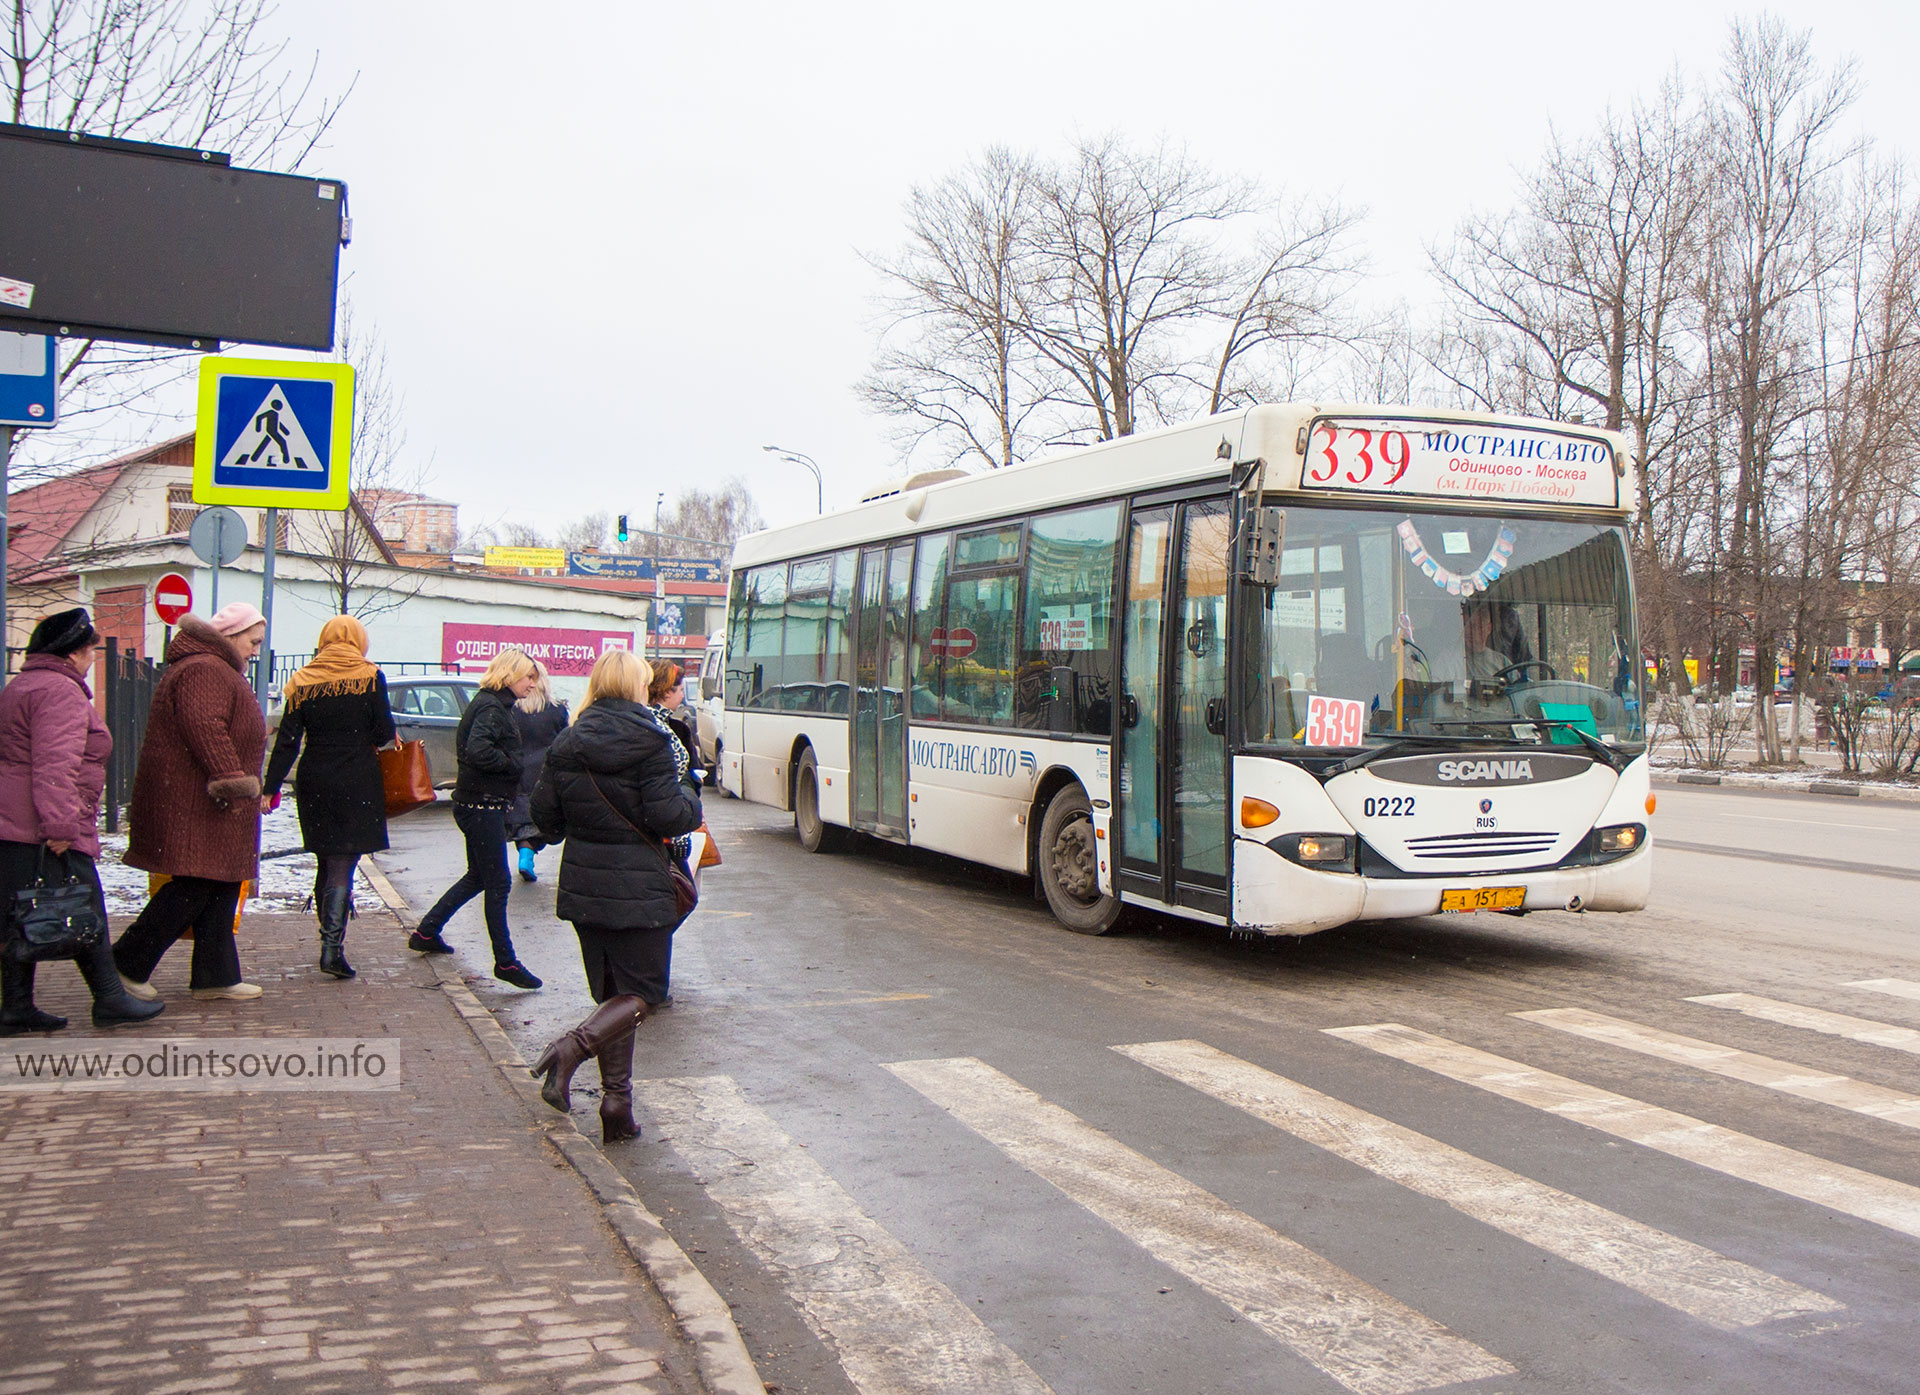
263	666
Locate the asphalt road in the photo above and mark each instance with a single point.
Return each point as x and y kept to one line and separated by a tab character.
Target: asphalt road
924	1140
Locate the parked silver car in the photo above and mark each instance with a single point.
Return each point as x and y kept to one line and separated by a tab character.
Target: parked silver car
429	710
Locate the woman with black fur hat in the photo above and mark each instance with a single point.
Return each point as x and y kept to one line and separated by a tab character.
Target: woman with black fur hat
53	766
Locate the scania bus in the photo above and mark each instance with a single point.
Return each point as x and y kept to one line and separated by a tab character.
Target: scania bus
1279	670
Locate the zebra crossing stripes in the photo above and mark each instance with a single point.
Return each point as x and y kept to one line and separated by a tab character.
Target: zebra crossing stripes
1847	1190
1840	1091
1367	1341
1720	1291
1892	987
1812	1019
895	1328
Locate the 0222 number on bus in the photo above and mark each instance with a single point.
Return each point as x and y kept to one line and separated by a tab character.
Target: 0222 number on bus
1335	721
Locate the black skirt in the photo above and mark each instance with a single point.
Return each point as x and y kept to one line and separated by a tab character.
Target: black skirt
626	961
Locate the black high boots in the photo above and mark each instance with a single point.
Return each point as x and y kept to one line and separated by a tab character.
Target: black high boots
616	1090
18	1015
335	904
113	1006
613	1019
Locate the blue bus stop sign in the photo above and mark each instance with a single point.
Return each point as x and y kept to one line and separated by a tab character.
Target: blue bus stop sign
29	385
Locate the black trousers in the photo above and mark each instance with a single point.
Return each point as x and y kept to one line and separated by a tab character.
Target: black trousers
209	908
486	833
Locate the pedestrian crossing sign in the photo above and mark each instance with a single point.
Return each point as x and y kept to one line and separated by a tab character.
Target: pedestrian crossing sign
273	433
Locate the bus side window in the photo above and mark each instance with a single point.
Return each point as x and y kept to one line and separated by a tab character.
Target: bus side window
929	627
1066	650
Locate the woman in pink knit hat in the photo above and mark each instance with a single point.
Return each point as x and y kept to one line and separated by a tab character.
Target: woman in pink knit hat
196	804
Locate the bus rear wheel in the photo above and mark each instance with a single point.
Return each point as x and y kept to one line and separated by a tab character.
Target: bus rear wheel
1069	857
815	833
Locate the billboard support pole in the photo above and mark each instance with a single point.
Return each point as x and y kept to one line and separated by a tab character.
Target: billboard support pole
263	666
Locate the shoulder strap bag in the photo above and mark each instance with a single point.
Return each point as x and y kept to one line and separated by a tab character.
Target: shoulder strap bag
686	894
55	918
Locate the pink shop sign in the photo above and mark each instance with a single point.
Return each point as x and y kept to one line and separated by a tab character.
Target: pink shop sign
566	653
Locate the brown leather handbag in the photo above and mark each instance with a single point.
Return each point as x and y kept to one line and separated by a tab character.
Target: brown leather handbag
405	777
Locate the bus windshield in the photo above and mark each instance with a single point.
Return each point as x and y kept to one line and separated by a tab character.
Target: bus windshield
1389	624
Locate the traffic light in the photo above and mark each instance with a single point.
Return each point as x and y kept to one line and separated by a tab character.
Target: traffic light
620	528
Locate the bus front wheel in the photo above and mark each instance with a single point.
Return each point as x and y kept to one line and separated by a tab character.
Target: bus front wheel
816	834
1070	865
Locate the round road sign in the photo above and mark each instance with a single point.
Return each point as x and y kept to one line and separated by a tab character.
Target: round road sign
172	597
218	536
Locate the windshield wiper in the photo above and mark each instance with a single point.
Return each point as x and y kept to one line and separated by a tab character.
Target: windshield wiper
1616	760
1402	742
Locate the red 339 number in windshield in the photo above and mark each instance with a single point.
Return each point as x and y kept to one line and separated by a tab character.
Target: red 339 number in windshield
1353	455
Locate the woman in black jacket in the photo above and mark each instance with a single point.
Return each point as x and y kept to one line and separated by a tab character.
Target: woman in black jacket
336	708
490	764
616	787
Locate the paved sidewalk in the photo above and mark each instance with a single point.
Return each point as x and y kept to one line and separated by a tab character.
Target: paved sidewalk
429	1235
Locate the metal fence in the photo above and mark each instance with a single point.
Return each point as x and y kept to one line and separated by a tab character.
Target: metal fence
128	694
285	664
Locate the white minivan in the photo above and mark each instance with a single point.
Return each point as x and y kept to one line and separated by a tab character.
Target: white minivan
712	704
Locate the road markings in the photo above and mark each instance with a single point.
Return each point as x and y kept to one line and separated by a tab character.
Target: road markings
1833	1024
1368	1342
1893	987
895	1328
1847	1190
1815	823
1840	1091
1663	1267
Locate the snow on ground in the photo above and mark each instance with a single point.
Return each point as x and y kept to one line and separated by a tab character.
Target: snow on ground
286	873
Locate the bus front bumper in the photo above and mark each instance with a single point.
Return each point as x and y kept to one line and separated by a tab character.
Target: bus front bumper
1273	896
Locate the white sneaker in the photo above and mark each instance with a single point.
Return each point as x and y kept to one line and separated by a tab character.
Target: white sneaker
236	991
145	992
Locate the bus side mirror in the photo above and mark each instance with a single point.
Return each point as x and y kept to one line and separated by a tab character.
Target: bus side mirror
1263	530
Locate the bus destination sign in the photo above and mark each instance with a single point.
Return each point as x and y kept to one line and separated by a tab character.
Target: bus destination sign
1456	460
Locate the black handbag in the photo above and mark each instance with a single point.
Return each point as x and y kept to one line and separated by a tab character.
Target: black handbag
58	917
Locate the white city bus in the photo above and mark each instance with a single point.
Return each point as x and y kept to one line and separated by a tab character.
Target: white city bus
1280	669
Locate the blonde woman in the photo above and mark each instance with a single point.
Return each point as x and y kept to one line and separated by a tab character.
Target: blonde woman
490	764
616	787
539	717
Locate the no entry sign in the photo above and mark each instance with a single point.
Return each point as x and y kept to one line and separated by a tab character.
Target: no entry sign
172	597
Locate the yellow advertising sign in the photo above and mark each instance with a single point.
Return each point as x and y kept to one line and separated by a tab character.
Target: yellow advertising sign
529	559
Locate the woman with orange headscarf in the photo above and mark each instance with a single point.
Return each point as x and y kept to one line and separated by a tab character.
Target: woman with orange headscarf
336	707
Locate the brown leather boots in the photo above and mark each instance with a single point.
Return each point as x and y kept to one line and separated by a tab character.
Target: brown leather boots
608	1034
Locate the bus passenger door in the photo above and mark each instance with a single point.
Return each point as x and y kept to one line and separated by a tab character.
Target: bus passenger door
879	746
1172	794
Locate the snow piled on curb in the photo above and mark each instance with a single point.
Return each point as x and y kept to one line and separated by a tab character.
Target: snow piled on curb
286	880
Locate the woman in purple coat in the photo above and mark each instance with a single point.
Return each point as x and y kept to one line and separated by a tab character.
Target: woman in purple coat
53	766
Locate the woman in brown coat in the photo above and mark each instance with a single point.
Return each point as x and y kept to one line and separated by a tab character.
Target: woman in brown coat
196	804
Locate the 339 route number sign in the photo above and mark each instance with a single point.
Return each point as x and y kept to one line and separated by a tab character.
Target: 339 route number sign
1461	460
1335	722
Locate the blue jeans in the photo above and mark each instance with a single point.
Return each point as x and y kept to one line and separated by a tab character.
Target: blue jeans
486	833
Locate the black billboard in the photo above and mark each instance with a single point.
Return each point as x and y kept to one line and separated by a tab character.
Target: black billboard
154	244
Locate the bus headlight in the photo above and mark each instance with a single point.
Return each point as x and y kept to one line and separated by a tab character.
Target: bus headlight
1324	852
1622	838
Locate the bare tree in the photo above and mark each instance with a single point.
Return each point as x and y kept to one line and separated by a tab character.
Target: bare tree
954	368
208	74
703	523
352	546
1776	152
588	531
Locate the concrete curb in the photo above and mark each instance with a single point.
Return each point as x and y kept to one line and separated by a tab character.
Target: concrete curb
1737	779
720	1352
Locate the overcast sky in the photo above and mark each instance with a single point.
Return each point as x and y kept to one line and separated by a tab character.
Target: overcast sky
613	249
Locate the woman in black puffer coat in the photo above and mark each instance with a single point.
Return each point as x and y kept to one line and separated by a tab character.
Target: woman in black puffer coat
616	787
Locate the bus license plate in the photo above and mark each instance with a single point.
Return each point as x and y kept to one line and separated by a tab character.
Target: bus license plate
1483	898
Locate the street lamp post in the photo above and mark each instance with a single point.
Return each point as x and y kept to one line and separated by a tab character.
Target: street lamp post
820	493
